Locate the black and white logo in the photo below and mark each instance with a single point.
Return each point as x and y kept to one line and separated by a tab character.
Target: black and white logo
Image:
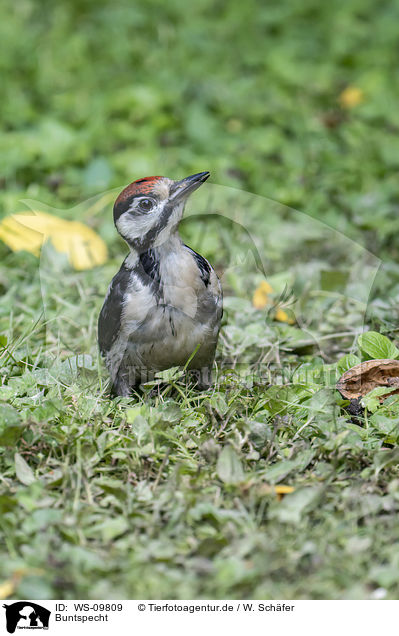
26	615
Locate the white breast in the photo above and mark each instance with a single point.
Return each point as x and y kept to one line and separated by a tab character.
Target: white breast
163	327
183	282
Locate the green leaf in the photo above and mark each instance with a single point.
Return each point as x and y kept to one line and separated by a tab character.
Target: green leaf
375	345
278	471
347	362
7	503
131	414
35	587
229	468
169	412
23	470
110	529
169	375
283	399
384	425
385	458
333	280
384	575
10	425
98	174
371	401
321	402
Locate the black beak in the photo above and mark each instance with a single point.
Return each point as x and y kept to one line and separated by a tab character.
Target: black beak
182	189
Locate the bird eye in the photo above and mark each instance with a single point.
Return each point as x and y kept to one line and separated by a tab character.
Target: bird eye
145	205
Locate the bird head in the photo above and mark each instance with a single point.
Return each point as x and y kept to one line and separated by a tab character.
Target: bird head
149	210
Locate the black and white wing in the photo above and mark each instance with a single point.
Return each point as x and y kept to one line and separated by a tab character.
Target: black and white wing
109	321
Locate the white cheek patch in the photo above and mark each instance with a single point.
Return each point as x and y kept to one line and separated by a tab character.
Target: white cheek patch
132	226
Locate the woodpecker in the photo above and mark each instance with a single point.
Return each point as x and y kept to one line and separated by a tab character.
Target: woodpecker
164	306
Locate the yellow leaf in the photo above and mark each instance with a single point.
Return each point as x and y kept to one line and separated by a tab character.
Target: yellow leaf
261	295
7	589
282	316
351	96
283	490
280	491
85	249
17	238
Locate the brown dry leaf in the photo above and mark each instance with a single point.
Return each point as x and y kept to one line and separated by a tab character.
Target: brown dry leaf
366	376
28	231
351	97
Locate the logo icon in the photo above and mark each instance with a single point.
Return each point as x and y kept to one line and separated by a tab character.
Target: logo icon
26	615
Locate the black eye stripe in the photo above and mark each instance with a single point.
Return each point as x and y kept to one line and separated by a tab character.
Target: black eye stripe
123	206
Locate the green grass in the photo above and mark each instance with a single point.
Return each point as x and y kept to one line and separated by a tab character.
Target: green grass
171	494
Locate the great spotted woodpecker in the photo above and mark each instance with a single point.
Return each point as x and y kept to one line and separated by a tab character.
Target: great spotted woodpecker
164	306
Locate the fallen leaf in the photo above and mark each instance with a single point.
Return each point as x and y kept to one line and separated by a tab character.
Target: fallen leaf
267	489
368	376
351	96
283	490
28	231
